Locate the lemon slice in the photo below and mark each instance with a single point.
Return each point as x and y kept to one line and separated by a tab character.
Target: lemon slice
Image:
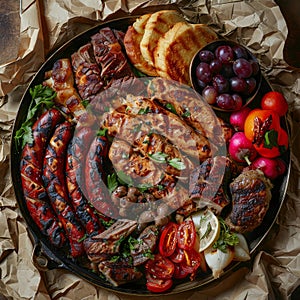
207	227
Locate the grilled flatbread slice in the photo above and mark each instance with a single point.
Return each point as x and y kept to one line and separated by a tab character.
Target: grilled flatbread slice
132	40
157	25
175	50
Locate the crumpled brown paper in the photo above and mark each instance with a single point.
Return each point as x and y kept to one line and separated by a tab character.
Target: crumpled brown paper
44	26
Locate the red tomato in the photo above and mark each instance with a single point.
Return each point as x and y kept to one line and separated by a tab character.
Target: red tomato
161	267
179	272
157	285
186	235
168	239
177	256
192	261
275	101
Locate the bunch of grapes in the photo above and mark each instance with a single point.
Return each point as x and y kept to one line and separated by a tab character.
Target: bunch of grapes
226	76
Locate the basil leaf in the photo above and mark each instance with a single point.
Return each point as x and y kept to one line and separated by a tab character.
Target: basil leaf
158	157
124	178
171	108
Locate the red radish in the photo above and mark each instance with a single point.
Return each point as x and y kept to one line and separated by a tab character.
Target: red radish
237	118
241	149
271	167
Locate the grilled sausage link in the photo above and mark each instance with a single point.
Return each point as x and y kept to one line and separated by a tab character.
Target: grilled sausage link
76	153
31	165
55	183
95	177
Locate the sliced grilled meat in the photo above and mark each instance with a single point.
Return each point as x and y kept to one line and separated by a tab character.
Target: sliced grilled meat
145	246
88	77
109	56
208	183
107	243
251	195
120	272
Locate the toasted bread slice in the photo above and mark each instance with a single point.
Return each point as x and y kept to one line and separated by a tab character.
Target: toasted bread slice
157	25
177	47
132	40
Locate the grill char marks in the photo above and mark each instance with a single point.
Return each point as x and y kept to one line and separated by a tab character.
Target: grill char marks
251	195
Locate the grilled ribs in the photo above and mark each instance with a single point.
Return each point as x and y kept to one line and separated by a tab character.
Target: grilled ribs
251	195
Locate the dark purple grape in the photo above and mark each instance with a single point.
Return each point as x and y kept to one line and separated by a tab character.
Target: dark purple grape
255	67
251	85
224	53
240	52
206	56
227	70
200	84
203	72
225	101
209	94
215	66
238	101
242	68
220	83
238	85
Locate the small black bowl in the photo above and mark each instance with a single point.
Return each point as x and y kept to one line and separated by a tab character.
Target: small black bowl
247	98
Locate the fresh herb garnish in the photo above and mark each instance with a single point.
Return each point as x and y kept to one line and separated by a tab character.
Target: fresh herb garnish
123	178
42	99
148	254
226	238
83	238
271	139
102	132
85	103
158	157
177	163
207	231
115	258
186	114
171	108
144	111
112	182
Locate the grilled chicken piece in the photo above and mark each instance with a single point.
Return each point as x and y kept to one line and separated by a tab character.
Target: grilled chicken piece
120	272
140	116
61	80
251	195
188	104
146	244
208	183
107	243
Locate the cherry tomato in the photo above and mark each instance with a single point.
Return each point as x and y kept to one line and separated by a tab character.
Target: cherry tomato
177	256
168	239
161	267
179	272
260	116
186	235
275	101
157	285
192	261
275	145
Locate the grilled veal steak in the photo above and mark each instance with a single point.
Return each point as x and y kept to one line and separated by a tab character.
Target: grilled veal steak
251	195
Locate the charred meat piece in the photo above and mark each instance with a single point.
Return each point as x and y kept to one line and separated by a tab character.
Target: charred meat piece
61	80
88	77
251	195
120	272
188	105
107	243
109	56
208	183
145	245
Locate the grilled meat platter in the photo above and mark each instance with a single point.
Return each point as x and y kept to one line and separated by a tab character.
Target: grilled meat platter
122	171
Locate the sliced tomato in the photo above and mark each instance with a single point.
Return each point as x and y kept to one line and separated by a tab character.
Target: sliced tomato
186	235
156	285
168	239
161	267
177	256
192	261
179	272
